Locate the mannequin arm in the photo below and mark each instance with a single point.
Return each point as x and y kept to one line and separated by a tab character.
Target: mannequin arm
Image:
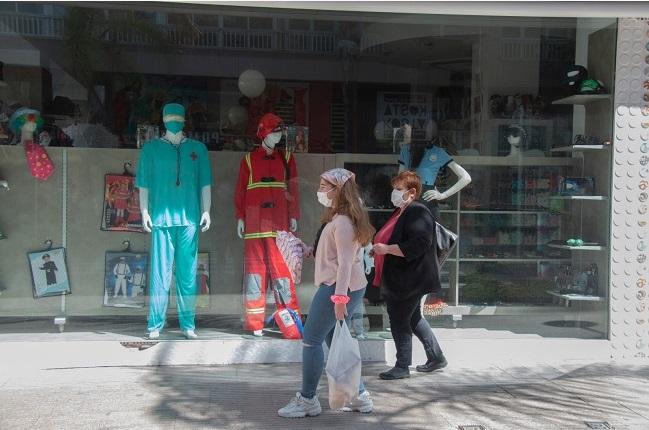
463	180
206	205
147	223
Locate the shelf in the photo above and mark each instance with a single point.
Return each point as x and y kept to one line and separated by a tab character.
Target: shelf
579	148
595	198
504	212
515	161
577	248
379	210
513	260
576	296
582	99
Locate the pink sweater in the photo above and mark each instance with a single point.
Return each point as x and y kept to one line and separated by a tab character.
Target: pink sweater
337	260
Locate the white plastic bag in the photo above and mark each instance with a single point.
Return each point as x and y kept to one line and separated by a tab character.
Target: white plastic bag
343	367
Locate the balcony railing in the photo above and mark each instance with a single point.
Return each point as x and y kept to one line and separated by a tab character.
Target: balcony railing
306	42
31	25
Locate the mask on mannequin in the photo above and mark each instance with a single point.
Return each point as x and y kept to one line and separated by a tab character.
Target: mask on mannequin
272	139
173	116
397	198
324	200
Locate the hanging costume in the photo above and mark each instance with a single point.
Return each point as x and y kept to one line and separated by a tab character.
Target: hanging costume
174	176
266	198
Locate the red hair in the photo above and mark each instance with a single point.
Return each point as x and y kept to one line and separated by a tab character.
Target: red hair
410	180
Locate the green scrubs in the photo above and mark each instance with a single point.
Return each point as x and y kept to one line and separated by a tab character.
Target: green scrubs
174	177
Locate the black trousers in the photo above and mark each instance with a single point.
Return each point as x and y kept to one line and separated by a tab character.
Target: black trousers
406	319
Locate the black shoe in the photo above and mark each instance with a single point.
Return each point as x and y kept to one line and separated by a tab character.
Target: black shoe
395	373
432	365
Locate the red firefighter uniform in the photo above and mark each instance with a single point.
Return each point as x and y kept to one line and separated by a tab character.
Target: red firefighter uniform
266	198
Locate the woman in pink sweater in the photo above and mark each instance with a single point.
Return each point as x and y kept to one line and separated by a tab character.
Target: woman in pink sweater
341	282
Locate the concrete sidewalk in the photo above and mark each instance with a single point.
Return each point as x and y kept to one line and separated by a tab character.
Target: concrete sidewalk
544	395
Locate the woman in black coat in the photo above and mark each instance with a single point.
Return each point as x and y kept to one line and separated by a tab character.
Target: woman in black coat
406	269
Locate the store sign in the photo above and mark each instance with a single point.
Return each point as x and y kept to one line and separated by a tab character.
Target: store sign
395	109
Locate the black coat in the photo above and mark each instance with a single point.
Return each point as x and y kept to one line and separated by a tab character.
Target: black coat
416	273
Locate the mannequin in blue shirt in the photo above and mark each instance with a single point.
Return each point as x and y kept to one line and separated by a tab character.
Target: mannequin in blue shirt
428	161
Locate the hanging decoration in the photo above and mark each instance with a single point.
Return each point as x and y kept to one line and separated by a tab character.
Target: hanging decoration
252	83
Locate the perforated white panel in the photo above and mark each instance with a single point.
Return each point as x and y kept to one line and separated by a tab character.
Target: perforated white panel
630	218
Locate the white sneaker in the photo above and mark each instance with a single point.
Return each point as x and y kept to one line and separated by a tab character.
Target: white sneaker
258	333
300	407
189	334
154	334
363	404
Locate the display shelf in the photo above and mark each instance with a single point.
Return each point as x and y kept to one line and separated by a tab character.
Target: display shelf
575	297
582	99
515	161
579	148
379	210
521	212
592	198
576	248
514	260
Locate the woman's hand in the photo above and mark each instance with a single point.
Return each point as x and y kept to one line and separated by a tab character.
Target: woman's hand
340	310
381	249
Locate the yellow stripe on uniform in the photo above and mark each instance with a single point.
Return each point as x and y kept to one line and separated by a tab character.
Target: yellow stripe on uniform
260	235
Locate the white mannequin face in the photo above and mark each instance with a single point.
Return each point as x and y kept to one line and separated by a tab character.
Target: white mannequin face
29	127
273	139
431	130
514	141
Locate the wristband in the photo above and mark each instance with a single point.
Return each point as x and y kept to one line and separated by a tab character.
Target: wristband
340	299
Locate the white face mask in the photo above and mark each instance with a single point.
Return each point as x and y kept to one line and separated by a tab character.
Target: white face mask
272	139
397	198
324	200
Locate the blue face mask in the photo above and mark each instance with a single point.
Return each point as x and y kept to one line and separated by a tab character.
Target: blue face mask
175	126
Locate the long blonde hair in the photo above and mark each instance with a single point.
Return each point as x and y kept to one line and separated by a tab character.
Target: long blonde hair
348	202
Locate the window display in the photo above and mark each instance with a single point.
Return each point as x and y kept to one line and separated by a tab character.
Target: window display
508	120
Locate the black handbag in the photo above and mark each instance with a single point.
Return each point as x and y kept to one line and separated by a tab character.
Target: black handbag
446	241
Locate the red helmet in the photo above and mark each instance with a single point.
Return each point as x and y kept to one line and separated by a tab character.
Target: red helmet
268	124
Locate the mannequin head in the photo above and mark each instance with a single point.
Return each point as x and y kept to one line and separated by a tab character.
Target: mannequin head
25	121
431	130
270	130
173	116
516	137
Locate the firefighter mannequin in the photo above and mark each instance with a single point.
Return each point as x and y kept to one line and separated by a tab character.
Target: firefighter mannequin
174	178
266	201
431	159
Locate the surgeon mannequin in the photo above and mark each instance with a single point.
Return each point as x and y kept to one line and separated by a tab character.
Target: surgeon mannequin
266	201
434	158
174	178
269	145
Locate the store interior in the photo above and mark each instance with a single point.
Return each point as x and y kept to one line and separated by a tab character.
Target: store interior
533	224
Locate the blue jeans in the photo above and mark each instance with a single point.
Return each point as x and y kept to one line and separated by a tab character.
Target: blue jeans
319	327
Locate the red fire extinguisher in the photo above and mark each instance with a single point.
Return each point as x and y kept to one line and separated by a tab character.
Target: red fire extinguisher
288	321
